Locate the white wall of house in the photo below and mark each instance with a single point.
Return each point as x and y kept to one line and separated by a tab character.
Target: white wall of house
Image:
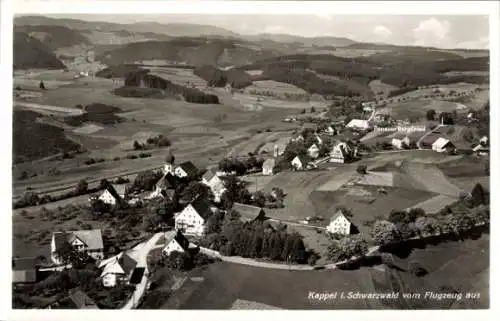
267	170
179	172
107	198
190	222
168	168
110	280
173	246
313	151
340	225
297	164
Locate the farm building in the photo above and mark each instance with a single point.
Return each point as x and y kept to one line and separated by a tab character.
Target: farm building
298	163
269	167
481	150
117	269
483	141
442	145
186	169
359	124
216	185
24	270
88	241
340	224
191	220
175	242
249	212
313	151
400	141
341	153
165	183
113	194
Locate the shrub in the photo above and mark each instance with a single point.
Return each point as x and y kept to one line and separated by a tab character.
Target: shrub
361	169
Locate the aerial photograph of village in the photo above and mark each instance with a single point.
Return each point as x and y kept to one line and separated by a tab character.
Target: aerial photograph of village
250	162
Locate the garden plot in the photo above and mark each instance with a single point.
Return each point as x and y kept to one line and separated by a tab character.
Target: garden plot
87	129
436	203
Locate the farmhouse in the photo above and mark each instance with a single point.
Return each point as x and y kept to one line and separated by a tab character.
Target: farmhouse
24	270
88	241
113	194
341	153
249	212
481	150
400	141
165	183
175	242
298	163
186	169
191	220
117	269
313	151
215	184
340	224
442	145
359	124
269	166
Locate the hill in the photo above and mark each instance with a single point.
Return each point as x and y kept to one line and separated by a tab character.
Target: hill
29	52
55	37
184	50
306	41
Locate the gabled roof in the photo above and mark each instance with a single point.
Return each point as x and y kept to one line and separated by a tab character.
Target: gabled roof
341	149
91	238
189	168
166	181
209	174
313	146
441	142
338	214
116	190
269	163
248	211
178	237
362	123
81	300
202	207
127	263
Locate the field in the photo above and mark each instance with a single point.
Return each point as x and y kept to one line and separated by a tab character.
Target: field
377	86
179	76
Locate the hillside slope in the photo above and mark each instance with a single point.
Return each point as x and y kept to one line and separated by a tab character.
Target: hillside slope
31	53
55	37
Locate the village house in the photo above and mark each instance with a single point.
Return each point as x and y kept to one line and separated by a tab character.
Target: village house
481	150
341	153
340	224
113	194
313	151
216	185
298	163
191	221
117	269
400	141
165	184
358	124
175	242
298	137
279	149
269	166
442	145
249	212
186	169
88	241
484	140
169	164
24	270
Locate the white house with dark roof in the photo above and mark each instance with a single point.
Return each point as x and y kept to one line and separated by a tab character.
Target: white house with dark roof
330	130
442	145
341	153
186	169
175	241
298	163
113	194
88	241
191	221
215	183
339	224
117	269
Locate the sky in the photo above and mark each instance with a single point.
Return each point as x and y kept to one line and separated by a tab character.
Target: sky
444	31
